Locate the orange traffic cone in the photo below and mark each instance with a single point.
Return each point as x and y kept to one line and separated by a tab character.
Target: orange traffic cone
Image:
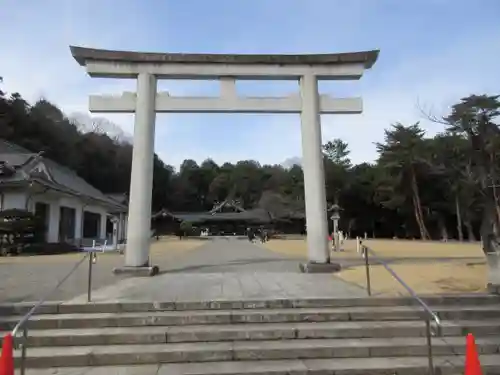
7	358
472	364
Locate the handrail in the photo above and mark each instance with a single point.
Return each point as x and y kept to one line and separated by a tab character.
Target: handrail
369	253
21	325
426	307
44	299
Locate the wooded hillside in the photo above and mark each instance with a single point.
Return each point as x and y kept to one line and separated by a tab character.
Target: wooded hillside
420	187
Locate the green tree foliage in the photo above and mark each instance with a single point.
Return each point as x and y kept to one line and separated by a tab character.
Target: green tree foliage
18	229
403	156
186	228
475	118
337	164
337	151
100	160
420	187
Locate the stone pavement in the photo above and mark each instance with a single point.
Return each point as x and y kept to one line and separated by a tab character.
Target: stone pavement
29	278
228	270
227	286
230	255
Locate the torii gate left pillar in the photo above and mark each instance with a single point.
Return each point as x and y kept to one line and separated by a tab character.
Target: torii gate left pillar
146	102
141	179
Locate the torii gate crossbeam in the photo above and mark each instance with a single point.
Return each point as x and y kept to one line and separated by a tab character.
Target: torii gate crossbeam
147	68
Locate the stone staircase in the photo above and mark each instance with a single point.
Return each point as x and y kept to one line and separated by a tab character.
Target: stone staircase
307	336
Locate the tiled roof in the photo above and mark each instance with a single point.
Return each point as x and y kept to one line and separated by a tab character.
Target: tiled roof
256	214
61	176
120	198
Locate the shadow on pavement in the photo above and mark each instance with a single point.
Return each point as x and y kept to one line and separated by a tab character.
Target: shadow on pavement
238	262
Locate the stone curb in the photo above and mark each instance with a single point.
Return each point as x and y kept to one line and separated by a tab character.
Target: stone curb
134	306
244	351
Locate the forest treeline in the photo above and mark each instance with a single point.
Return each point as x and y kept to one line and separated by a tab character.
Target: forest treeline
438	187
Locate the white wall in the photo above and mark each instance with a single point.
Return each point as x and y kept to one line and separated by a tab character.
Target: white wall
14	200
55	200
122	227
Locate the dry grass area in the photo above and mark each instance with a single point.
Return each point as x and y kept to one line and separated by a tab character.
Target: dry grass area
423	278
386	249
165	246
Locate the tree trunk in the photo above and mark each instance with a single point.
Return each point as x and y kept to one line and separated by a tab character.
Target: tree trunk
488	221
442	229
349	226
494	186
490	245
470	232
419	216
497	203
419	219
459	219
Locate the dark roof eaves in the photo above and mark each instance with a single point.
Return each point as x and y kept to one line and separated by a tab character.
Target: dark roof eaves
64	189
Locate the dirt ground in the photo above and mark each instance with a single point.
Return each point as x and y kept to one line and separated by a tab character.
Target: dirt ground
164	246
386	249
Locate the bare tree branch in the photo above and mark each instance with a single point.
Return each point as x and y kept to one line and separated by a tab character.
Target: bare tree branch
96	128
429	115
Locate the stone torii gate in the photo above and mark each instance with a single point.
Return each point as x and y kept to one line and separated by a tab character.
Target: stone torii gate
147	68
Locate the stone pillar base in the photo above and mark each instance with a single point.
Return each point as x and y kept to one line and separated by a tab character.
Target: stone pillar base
143	271
311	267
493	288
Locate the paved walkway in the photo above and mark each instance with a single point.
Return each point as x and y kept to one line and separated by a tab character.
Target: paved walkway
228	270
218	269
29	278
230	255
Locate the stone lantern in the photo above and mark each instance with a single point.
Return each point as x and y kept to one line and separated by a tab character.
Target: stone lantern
115	220
335	217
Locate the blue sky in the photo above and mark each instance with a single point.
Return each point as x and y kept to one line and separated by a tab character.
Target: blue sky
432	52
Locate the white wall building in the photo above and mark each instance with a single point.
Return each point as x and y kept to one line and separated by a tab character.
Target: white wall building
72	210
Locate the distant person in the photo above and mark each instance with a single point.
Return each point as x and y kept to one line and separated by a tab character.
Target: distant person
262	235
250	234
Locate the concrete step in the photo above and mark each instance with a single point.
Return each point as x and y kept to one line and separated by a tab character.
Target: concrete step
198	317
7	309
253	331
249	350
452	365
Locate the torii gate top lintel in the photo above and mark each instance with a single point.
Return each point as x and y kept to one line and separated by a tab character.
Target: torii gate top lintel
124	64
82	54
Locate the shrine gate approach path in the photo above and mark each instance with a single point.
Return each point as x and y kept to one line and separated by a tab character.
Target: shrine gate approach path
228	269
